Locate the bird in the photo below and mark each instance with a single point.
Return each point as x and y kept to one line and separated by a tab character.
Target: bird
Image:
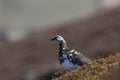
69	59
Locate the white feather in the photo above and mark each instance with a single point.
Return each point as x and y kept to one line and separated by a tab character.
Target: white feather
77	53
72	51
68	64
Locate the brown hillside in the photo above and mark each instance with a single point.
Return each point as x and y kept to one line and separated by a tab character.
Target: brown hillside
100	34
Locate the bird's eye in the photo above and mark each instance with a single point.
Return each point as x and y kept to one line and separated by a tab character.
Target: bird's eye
55	37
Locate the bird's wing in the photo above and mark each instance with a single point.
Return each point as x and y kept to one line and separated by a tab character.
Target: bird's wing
76	57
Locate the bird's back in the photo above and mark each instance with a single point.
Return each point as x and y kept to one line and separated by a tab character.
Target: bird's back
76	57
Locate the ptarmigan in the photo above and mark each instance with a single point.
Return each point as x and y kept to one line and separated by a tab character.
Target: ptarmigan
70	59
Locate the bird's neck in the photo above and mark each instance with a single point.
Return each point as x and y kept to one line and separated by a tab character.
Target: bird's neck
62	46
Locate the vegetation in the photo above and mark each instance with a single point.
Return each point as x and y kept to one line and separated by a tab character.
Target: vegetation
100	69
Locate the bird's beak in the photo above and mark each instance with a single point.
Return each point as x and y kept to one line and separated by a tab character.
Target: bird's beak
52	39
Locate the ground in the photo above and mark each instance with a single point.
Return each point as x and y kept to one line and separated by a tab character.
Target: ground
95	37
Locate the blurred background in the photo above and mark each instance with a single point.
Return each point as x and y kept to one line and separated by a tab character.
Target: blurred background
26	27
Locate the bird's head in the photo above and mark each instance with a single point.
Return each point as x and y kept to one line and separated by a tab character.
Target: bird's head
58	38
